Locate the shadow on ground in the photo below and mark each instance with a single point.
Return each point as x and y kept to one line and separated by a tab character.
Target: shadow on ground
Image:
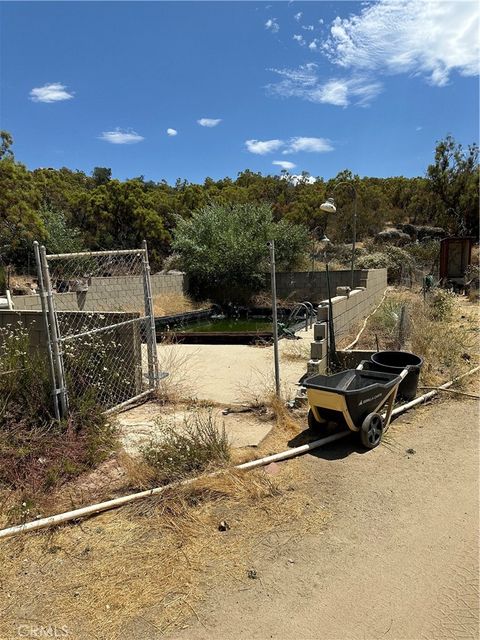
332	451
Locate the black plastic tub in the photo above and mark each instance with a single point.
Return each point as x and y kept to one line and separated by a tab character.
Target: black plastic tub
395	362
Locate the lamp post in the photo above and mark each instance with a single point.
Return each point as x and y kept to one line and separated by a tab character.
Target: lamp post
327	206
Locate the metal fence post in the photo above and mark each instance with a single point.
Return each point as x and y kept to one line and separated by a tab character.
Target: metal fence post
150	319
61	389
271	246
36	250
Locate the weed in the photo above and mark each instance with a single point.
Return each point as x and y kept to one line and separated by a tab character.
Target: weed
177	362
37	453
179	452
442	305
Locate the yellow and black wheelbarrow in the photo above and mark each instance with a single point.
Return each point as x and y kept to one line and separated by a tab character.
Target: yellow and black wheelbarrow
354	398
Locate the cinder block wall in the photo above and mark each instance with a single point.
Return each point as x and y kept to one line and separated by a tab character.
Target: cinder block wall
31	321
312	285
348	312
115	293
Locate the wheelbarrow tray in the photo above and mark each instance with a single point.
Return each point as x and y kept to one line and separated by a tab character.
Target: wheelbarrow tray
349	396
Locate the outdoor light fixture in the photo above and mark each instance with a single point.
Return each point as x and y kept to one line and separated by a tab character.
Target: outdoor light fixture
328	206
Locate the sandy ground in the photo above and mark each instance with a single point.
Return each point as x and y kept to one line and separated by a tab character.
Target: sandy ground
399	559
233	374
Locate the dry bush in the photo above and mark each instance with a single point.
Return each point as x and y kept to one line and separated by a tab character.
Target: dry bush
258	390
436	332
167	304
296	350
178	452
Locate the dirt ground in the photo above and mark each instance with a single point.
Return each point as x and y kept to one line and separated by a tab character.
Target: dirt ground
354	545
399	558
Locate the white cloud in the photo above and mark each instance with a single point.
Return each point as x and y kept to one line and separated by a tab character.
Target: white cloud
300	39
293	145
261	147
272	25
121	136
209	122
54	92
171	132
303	82
298	16
308	27
313	45
424	37
284	164
317	145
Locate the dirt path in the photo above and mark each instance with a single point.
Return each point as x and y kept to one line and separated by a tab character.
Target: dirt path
399	558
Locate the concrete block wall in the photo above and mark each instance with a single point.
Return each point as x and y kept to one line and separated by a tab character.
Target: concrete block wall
348	312
114	293
312	285
31	321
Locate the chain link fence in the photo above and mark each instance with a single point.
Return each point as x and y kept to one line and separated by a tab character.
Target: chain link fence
100	326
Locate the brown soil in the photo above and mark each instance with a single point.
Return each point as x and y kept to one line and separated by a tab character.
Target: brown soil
399	558
343	545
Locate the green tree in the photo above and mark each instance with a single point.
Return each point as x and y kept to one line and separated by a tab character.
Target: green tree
101	175
60	236
20	223
224	249
454	180
6	142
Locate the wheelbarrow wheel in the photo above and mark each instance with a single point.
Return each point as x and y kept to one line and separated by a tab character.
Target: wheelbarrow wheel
371	431
313	423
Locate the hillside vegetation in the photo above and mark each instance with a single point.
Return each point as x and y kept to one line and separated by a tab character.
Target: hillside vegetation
69	210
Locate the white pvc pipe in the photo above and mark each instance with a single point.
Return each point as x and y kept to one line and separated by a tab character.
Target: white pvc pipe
276	457
92	509
352	344
426	396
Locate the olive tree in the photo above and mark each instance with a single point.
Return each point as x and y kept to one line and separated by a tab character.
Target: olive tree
224	249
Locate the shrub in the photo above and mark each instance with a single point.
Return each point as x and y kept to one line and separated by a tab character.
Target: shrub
441	305
224	249
37	452
179	452
397	261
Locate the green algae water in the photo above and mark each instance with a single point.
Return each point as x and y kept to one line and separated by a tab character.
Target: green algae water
228	325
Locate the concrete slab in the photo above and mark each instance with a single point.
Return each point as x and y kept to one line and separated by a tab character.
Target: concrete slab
140	424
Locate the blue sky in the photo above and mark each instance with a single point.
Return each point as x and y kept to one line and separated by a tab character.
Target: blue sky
320	86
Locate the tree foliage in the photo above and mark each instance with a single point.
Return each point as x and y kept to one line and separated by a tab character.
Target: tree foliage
224	249
454	180
114	214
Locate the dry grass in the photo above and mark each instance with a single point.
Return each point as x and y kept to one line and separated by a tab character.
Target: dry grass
447	341
142	570
176	361
295	351
168	304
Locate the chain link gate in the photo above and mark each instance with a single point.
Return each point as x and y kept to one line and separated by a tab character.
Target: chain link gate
100	326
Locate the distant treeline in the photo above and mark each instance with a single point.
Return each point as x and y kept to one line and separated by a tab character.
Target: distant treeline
69	210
